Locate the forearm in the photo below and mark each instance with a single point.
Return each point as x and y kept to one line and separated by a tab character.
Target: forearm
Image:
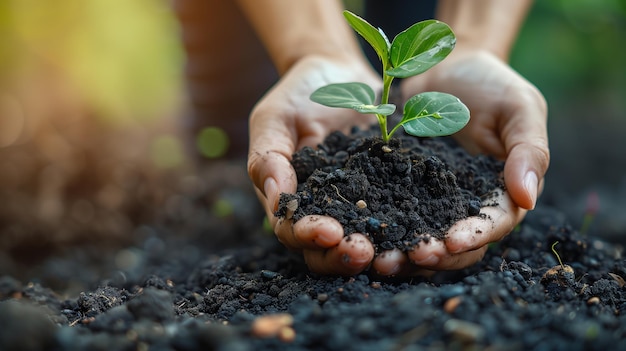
292	29
490	25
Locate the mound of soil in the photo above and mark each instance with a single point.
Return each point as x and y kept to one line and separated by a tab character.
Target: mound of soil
398	194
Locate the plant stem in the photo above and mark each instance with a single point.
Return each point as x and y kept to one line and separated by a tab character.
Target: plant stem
393	130
382	120
557	254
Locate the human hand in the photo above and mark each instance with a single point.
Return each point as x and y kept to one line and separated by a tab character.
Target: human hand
286	120
508	121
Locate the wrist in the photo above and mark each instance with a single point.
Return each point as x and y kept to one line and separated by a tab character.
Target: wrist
465	50
338	69
479	45
489	25
350	60
292	30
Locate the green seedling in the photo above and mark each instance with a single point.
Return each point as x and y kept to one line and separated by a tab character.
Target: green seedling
413	51
556	253
562	274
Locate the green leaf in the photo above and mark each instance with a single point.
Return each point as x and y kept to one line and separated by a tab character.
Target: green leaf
344	95
357	96
433	114
375	37
420	47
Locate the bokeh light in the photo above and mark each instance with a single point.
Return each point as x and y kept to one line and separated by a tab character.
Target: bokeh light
222	208
212	142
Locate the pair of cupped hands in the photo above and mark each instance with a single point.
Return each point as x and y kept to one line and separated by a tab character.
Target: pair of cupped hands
508	121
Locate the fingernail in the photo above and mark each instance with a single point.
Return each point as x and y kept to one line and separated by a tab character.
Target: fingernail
530	183
270	188
428	261
327	235
395	270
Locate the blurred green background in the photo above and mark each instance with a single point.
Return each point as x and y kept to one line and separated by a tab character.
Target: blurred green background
574	51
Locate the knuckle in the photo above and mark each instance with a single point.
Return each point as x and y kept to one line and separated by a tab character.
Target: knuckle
254	163
543	154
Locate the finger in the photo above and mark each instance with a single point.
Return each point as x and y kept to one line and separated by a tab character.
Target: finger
269	209
428	254
526	141
283	228
272	175
310	232
351	256
460	261
395	263
271	146
434	257
493	223
390	262
524	172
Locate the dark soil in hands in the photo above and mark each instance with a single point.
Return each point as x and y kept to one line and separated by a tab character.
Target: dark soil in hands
398	194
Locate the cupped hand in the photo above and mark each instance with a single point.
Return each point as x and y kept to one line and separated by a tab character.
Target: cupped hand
508	116
465	244
508	121
285	120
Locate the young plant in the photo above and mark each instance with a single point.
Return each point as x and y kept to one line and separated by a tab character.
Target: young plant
413	51
562	274
558	257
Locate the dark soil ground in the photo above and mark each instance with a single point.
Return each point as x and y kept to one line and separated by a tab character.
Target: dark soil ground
191	267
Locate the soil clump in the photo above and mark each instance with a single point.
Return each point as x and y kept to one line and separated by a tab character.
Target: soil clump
398	194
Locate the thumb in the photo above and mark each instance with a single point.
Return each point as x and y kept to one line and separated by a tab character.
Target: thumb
269	167
523	173
528	155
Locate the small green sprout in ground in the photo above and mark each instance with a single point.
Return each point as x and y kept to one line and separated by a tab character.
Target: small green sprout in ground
556	253
413	51
562	274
